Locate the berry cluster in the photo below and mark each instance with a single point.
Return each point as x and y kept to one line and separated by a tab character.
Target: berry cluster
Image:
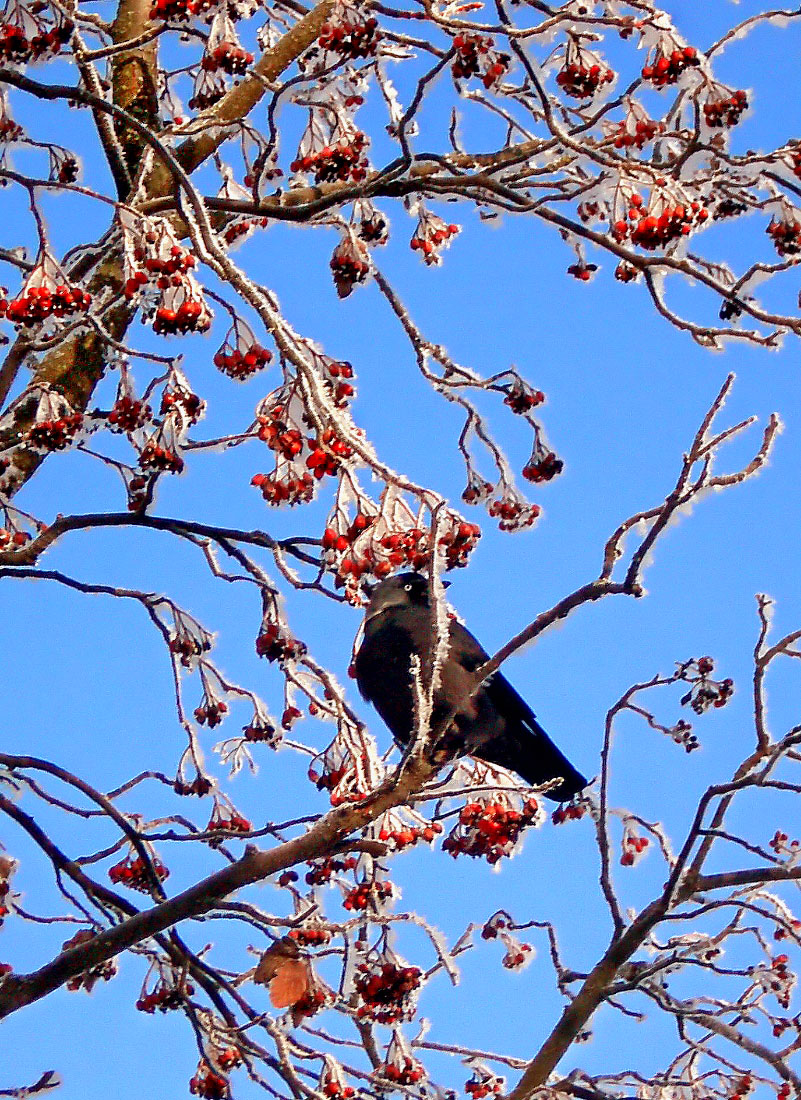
517	954
230	57
408	835
173	10
164	997
223	820
261	730
350	36
18	48
704	692
290	717
386	990
7	868
337	373
338	775
349	265
568	811
777	979
208	1083
633	847
656	226
128	414
135	872
431	236
275	431
188	647
405	1072
513	513
310	935
582	80
542	466
38	300
159	458
188	315
103	971
626	273
211	711
781	847
682	734
483	1084
284	490
311	1002
477	489
521	399
726	111
275	645
490	828
56	434
243	359
373	229
369	894
785	232
582	271
321	871
342	161
12	538
636	133
666	65
326	453
159	259
476	57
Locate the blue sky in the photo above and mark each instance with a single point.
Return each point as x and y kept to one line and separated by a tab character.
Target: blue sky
87	683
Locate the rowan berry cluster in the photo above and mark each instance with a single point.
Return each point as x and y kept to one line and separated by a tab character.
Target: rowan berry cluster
12	538
521	399
490	828
704	691
431	236
164	997
287	490
726	111
159	458
223	820
666	65
128	414
173	10
153	257
633	847
386	990
635	133
103	971
475	56
210	712
9	129
322	871
626	273
780	845
350	35
276	645
785	232
371	893
483	1084
310	935
310	1003
39	300
135	872
582	80
777	979
19	48
517	954
568	811
188	647
582	271
336	1090
56	434
373	229
188	315
209	1084
157	258
243	359
7	868
406	1072
228	57
513	513
326	453
261	730
349	265
407	836
656	226
338	373
542	466
682	734
290	717
340	161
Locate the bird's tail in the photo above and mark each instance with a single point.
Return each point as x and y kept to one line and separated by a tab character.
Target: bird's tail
529	751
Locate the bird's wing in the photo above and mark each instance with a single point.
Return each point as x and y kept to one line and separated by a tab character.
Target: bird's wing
523	745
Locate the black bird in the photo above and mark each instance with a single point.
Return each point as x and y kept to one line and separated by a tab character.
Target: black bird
496	725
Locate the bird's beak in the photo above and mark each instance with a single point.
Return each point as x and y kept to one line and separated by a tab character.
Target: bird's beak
447	584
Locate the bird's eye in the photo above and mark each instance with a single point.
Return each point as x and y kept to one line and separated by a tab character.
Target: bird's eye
407	587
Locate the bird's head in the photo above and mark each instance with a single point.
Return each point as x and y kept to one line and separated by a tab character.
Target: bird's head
402	590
